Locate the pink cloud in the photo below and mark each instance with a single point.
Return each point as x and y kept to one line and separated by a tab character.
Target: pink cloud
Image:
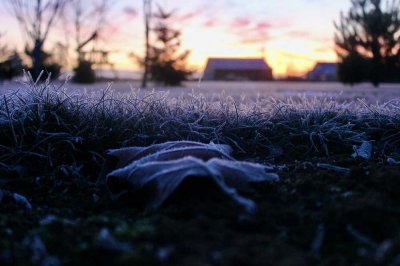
263	25
210	23
130	12
254	32
188	16
240	23
250	31
261	28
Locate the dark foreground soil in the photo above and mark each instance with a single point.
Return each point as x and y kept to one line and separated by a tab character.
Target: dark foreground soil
311	217
52	148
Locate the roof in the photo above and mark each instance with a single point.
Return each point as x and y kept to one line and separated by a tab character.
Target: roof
237	64
323	69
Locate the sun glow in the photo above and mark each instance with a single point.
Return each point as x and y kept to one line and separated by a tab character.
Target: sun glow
287	57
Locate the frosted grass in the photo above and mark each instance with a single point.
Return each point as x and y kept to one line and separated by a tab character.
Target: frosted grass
50	124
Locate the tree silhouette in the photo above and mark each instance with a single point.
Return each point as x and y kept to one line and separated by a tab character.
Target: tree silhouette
167	64
89	20
367	42
11	67
36	18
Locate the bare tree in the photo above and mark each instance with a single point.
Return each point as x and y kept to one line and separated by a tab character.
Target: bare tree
80	16
36	18
90	19
147	18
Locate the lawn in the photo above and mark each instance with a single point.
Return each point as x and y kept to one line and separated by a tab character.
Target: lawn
328	208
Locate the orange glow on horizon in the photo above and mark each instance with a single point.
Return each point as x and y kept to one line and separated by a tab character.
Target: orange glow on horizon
283	63
287	56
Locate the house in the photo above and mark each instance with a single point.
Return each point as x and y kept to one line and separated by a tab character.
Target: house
323	71
255	69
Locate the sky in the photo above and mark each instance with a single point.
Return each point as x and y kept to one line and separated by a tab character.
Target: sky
292	35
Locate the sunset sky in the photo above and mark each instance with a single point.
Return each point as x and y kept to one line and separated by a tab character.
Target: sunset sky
291	34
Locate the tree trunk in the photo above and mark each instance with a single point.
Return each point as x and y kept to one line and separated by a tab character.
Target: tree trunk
37	59
147	14
146	61
376	71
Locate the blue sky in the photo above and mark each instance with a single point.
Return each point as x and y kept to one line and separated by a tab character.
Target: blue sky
291	34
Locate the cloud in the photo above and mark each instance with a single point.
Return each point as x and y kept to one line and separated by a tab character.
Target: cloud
130	12
255	31
249	31
210	23
188	16
240	23
262	28
300	34
263	25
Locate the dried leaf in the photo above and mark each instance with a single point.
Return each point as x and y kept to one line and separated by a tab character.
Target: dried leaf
127	155
118	158
108	242
164	167
38	252
364	151
392	161
7	196
334	168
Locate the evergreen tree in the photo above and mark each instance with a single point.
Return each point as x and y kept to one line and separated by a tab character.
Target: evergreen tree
368	42
167	64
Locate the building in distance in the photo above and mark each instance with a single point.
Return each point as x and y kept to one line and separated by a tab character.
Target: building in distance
323	71
240	69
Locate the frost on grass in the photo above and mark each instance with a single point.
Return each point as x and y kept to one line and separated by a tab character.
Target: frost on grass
10	197
392	161
38	120
162	168
364	151
44	126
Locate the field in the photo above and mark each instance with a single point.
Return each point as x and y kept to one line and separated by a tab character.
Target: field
240	91
328	207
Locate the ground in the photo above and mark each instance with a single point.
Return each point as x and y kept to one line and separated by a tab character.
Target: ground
249	91
52	149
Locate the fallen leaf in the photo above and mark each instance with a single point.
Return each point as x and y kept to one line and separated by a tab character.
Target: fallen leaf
7	196
363	151
163	168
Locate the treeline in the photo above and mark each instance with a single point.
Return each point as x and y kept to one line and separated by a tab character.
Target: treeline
164	61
